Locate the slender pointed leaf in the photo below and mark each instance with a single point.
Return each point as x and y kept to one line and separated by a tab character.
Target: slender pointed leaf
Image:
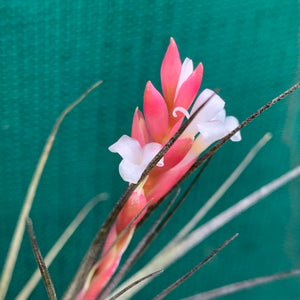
40	261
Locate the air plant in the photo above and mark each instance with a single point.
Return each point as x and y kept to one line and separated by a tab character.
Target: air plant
161	153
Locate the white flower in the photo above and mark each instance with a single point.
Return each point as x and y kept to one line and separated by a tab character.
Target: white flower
135	158
211	120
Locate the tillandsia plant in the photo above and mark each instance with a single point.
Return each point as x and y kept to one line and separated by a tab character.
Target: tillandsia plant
164	115
161	152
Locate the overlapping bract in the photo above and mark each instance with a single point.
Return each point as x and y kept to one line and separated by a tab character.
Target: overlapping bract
163	115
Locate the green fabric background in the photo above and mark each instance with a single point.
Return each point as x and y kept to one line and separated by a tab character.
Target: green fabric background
52	51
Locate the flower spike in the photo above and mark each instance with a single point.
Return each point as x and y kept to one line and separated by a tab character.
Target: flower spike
163	118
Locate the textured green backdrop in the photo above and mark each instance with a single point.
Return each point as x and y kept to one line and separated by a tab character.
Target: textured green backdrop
52	51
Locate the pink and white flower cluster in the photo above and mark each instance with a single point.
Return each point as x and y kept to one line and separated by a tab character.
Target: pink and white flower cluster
163	116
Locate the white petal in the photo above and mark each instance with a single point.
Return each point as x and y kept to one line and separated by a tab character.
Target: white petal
212	131
149	151
201	99
186	71
191	130
221	115
131	172
128	148
214	105
230	124
213	109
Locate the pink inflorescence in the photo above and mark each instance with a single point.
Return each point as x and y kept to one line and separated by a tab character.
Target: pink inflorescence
163	115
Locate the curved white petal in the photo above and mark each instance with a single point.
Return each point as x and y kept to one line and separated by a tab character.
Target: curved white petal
128	148
212	131
214	105
186	71
230	124
149	151
182	110
131	172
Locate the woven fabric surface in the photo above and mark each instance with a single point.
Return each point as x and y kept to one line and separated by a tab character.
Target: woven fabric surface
52	51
